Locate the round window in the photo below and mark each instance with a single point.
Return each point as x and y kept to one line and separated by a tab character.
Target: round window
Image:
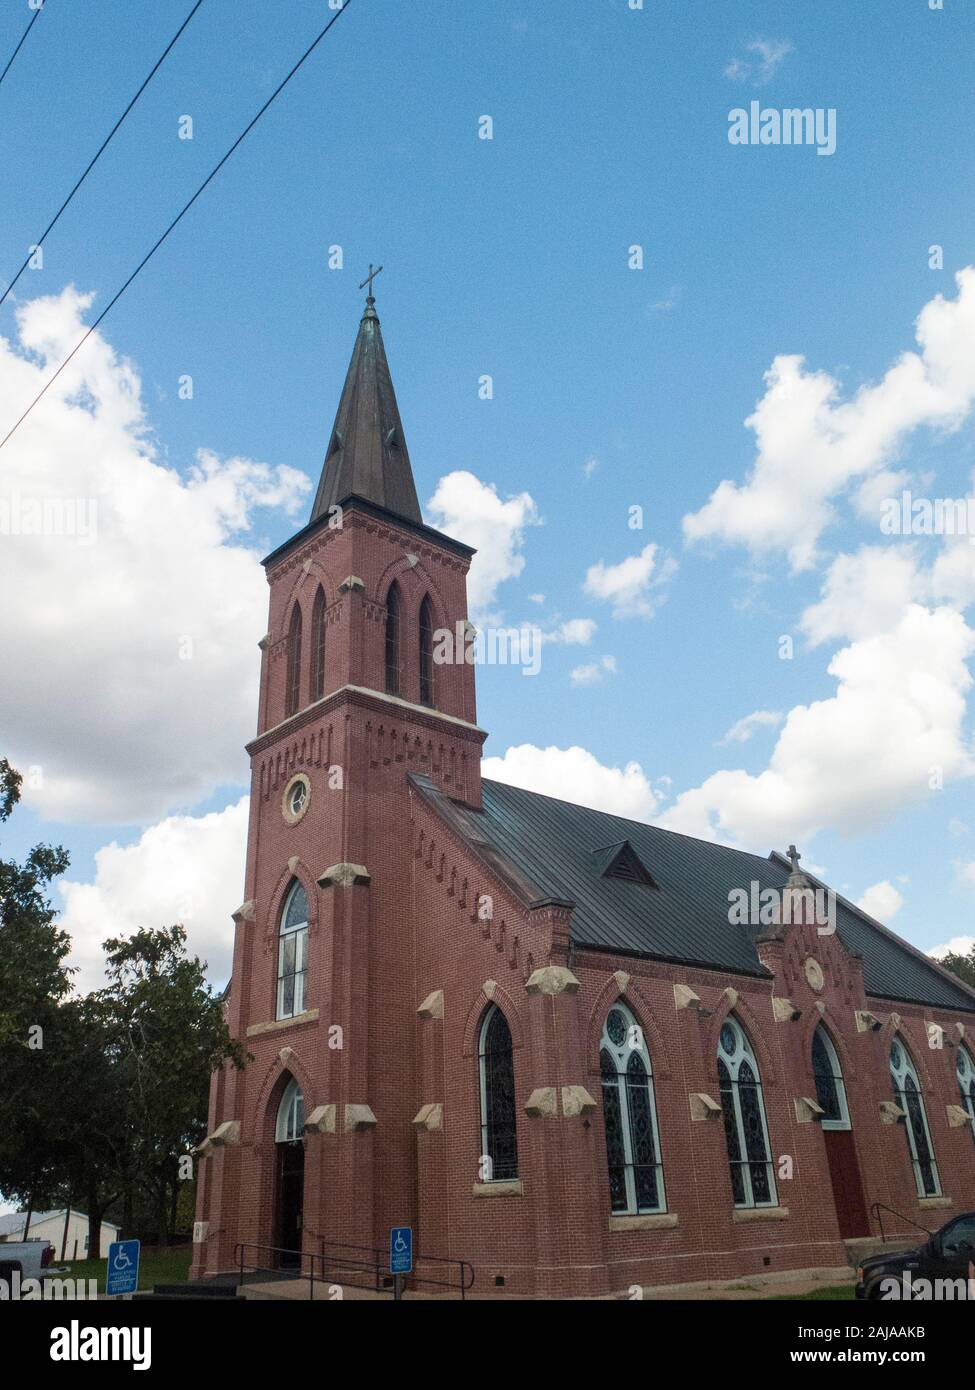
616	1027
295	798
299	796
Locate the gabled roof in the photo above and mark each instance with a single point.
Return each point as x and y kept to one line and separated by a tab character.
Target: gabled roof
555	847
366	455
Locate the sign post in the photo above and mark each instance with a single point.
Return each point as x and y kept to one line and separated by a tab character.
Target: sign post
400	1257
123	1268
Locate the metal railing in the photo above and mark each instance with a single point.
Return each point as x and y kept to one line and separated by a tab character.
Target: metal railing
340	1262
877	1207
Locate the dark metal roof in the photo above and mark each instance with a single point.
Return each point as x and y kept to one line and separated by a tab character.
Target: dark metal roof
367	454
553	845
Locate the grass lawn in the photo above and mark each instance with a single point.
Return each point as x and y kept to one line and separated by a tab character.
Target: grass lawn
161	1267
834	1291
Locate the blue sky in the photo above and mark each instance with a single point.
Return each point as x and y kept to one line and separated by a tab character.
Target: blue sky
509	257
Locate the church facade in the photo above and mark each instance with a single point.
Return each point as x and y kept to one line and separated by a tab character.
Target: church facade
539	1034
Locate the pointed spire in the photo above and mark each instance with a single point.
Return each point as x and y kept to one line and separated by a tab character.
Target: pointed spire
367	455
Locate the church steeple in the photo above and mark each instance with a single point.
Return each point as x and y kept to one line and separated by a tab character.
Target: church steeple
367	455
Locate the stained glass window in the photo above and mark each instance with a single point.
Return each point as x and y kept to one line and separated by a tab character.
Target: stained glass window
293	953
830	1090
426	652
291	1115
966	1083
292	694
318	646
499	1139
745	1129
636	1182
392	640
907	1094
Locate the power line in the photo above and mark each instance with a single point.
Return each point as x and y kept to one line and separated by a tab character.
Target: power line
10	60
178	218
102	146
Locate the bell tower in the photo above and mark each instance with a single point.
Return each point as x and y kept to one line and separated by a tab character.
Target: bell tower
352	700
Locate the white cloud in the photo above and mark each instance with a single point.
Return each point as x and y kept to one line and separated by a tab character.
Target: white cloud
574	774
590	465
966	872
574	632
634	586
594	671
881	900
97	691
184	869
864	594
745	728
958	945
472	511
769	53
812	445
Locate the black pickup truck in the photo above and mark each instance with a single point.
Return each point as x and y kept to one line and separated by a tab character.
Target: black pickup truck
948	1255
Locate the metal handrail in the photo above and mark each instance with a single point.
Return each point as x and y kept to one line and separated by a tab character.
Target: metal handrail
328	1259
877	1207
462	1265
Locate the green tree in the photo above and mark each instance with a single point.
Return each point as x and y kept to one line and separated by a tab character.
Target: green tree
962	966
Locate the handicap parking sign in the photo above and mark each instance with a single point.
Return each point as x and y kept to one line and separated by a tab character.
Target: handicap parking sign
401	1250
123	1267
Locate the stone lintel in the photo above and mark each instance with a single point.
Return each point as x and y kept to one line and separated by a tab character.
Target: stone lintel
510	1188
432	1006
760	1214
552	979
344	875
650	1221
935	1203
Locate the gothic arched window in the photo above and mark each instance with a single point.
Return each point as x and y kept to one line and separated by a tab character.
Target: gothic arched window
966	1083
636	1176
293	953
393	639
746	1132
499	1140
830	1090
317	687
426	652
292	695
290	1124
907	1094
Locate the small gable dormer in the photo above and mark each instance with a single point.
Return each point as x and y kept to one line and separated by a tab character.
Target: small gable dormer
622	861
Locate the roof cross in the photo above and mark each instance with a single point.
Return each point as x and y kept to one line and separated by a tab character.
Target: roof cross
368	281
794	857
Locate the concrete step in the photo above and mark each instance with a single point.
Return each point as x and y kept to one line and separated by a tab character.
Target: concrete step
864	1246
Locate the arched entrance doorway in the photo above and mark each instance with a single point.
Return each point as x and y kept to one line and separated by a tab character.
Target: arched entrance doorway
841	1153
289	1176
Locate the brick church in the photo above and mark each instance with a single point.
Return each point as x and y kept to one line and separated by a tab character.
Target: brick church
531	1030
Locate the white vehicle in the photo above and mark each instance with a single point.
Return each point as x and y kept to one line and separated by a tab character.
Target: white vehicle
32	1259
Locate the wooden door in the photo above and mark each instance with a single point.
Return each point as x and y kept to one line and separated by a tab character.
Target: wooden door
844	1172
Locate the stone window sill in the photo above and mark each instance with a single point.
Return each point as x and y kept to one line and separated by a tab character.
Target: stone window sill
648	1221
512	1188
309	1016
761	1214
933	1203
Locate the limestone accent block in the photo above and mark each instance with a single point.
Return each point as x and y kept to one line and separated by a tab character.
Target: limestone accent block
891	1113
246	912
652	1221
576	1100
703	1106
552	979
412	560
622	980
359	1117
761	1214
731	995
807	1109
867	1022
293	863
204	1148
960	1029
429	1116
201	1229
344	876
488	988
286	1055
784	1011
957	1116
274	1025
895	1021
265	642
352	584
936	1203
510	1188
227	1133
432	1006
542	1103
321	1120
685	998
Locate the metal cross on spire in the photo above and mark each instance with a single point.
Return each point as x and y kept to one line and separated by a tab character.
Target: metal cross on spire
370	298
794	857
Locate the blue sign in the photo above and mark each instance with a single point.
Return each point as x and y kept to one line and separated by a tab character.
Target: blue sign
123	1267
401	1250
